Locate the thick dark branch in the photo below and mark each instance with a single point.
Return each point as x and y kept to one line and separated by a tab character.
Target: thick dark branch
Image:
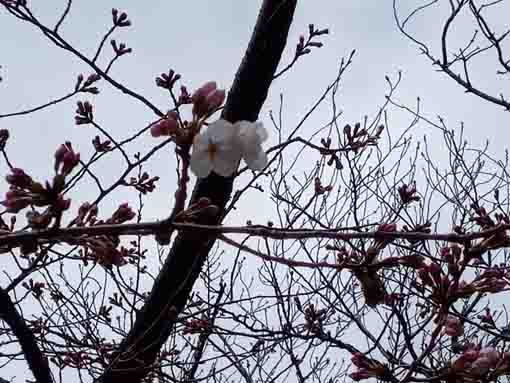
36	360
170	292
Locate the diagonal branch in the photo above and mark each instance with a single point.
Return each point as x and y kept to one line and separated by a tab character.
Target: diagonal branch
36	360
170	292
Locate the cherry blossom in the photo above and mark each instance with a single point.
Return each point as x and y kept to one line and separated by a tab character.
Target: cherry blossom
453	326
251	137
216	149
222	145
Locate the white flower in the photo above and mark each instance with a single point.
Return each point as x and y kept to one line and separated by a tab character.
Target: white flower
216	149
251	136
219	148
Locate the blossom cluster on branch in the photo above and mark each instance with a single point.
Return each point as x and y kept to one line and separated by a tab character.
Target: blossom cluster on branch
216	146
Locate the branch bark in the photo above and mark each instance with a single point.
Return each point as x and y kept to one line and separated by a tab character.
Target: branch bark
36	360
171	290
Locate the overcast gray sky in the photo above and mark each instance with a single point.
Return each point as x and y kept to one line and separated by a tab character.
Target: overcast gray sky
205	40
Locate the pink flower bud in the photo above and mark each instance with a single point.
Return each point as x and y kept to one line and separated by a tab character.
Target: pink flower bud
204	90
470	355
19	178
62	204
453	326
434	269
122	214
16	200
207	98
490	353
359	360
166	127
66	159
360	375
215	99
424	275
387	227
480	366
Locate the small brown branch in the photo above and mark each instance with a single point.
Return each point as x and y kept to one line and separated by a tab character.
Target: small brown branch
199	351
40	107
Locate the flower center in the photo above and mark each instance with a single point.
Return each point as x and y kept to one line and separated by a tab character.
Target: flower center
211	150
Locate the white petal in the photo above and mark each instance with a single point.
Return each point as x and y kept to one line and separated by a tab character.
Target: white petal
224	166
251	135
201	142
221	131
242	125
256	160
261	131
200	163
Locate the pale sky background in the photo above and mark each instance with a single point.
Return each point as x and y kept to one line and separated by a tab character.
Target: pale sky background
205	40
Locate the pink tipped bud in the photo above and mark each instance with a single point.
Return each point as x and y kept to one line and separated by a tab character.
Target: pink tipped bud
434	269
166	127
204	90
470	355
16	200
491	354
206	98
66	159
453	326
215	99
19	178
122	214
62	204
480	366
424	275
360	375
359	360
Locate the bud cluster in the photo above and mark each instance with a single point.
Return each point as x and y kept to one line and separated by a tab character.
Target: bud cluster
479	362
314	318
144	184
66	159
196	326
453	326
207	99
167	81
368	368
86	87
36	288
103	249
120	20
24	191
101	147
319	188
359	138
448	287
407	193
84	113
304	47
120	49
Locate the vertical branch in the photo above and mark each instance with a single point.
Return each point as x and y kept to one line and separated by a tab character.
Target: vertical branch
36	360
171	290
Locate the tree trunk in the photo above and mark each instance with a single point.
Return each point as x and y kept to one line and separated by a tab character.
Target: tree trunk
138	351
